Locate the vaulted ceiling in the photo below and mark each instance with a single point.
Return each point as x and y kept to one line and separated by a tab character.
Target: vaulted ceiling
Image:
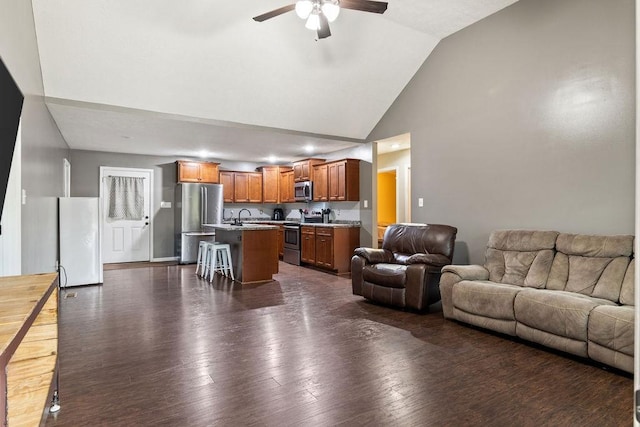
180	78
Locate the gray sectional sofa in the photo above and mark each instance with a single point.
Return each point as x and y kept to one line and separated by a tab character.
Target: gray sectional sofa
574	293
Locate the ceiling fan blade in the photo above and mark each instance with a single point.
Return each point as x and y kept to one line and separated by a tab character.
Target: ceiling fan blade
323	31
364	5
274	13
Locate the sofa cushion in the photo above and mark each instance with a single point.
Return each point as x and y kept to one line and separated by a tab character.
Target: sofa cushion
485	298
612	327
595	246
590	265
520	257
627	294
389	275
561	313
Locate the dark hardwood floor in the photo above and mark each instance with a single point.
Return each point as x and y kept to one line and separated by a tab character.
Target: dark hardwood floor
158	346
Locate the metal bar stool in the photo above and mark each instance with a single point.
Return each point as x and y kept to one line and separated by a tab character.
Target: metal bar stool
201	262
218	260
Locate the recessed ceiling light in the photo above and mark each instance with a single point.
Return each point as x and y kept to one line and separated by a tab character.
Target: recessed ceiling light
309	148
272	159
204	153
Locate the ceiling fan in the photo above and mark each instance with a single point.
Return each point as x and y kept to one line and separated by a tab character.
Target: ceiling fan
319	13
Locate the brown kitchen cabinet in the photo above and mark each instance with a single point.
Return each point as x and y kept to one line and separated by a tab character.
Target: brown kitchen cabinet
329	248
281	241
286	187
324	248
200	172
303	169
343	180
308	244
272	184
241	187
228	186
320	190
337	181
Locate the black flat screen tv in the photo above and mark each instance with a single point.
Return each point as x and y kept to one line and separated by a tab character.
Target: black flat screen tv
10	108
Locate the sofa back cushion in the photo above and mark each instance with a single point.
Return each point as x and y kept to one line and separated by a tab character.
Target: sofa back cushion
404	240
520	257
591	265
627	294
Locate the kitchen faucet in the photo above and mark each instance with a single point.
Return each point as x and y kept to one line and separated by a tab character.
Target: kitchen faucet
240	212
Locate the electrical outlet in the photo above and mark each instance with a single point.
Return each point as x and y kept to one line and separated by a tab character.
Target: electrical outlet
420	202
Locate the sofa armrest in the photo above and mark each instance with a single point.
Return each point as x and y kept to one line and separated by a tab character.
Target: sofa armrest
452	274
467	272
374	256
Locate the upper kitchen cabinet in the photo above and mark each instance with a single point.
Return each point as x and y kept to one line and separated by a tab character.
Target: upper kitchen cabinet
303	169
343	180
320	189
228	187
241	187
286	187
200	172
337	181
272	185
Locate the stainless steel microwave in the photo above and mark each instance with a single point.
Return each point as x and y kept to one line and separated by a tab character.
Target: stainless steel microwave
303	191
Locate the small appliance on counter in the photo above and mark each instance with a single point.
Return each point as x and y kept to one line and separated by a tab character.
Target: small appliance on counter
278	214
325	215
315	217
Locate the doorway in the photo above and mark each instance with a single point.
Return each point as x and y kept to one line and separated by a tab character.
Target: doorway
392	183
126	239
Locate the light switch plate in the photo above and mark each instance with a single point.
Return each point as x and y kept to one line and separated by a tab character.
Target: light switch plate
165	205
420	202
366	203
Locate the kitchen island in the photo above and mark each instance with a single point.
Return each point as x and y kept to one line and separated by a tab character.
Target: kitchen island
254	250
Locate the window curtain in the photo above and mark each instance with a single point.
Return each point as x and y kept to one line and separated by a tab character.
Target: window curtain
126	198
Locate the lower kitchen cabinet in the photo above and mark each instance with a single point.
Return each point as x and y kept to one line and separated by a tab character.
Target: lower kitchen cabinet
281	241
308	244
329	248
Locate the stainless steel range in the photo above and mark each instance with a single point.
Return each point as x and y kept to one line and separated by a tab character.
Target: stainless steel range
292	243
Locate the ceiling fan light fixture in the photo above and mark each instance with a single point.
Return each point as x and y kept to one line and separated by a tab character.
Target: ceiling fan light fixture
330	9
313	22
304	8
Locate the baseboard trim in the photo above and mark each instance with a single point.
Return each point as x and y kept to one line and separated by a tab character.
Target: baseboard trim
165	259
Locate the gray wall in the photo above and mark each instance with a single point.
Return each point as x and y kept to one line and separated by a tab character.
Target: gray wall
525	120
43	148
43	151
85	182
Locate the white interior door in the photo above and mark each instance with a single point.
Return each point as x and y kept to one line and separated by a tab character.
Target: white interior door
126	240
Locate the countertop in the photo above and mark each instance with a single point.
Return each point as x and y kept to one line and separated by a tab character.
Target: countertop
312	224
246	226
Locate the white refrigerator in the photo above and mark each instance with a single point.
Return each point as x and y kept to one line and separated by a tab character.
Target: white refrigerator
80	233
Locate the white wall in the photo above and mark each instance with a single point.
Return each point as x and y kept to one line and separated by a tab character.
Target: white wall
10	239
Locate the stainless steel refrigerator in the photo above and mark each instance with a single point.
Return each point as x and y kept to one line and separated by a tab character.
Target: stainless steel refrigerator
196	204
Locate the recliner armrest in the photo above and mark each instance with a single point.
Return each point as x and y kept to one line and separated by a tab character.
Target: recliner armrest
467	272
436	260
374	256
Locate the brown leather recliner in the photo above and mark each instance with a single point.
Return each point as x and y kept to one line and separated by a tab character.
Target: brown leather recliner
406	271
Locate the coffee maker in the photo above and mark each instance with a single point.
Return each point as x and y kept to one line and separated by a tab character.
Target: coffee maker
278	214
325	215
